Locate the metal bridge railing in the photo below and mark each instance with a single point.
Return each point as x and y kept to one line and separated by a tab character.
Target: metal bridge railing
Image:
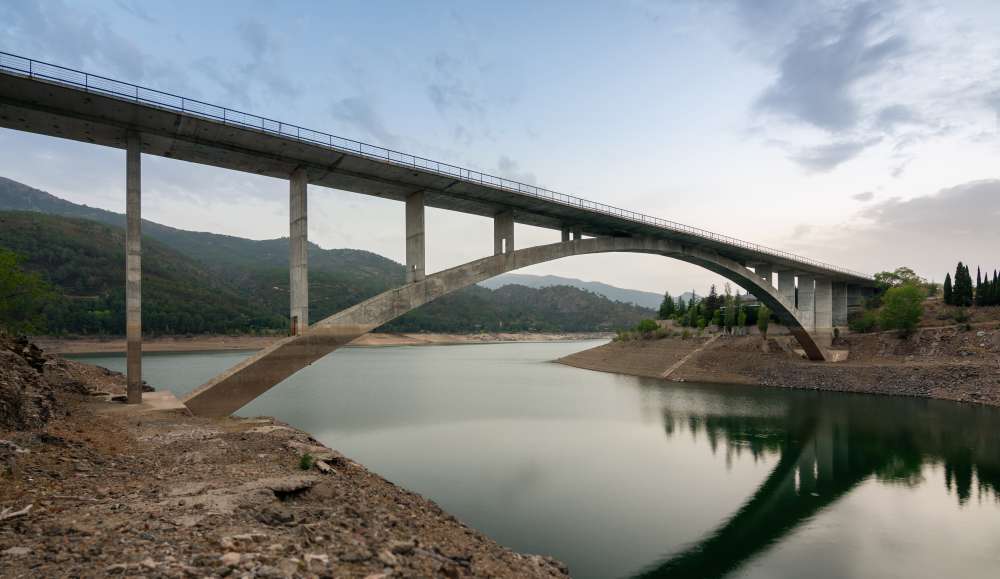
35	69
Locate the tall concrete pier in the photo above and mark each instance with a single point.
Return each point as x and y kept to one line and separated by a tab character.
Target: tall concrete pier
415	248
298	268
503	233
823	311
807	304
133	267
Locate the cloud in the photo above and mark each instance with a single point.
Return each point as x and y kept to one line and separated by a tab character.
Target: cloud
449	90
928	233
821	66
863	197
70	36
893	116
971	209
262	70
509	169
264	50
993	101
823	158
136	9
359	113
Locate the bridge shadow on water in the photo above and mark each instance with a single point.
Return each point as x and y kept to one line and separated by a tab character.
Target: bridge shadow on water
826	445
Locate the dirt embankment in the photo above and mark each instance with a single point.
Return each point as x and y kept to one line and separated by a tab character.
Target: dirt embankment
90	488
950	363
219	343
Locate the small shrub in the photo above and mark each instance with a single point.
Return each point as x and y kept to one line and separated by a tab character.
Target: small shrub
647	326
306	461
961	315
661	333
863	323
902	308
685	334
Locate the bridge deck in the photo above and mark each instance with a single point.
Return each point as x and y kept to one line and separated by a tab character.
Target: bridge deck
47	99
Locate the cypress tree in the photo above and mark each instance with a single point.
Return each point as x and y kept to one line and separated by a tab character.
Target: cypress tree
947	289
958	291
968	287
980	294
667	307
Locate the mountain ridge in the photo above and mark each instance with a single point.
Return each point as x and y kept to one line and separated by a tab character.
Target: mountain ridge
254	278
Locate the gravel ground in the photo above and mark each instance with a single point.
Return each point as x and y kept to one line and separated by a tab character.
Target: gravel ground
91	489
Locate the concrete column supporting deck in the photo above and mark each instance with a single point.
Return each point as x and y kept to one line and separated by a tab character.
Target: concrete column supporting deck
577	233
786	285
806	305
415	252
133	268
503	233
565	234
298	266
839	304
823	317
764	271
854	300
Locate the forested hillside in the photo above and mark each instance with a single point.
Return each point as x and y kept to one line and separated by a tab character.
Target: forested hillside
85	263
196	282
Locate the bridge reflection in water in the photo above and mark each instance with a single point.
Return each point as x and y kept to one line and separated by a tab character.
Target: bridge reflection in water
827	444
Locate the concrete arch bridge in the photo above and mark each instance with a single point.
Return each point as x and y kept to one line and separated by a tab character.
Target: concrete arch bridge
810	296
244	382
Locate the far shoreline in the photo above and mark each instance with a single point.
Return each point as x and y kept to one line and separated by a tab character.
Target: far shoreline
216	343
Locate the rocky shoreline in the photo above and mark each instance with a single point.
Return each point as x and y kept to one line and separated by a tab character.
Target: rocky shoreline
945	362
92	488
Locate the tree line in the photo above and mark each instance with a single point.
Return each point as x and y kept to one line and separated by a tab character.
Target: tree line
960	291
726	311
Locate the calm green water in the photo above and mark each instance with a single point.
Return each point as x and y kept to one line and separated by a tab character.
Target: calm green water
620	477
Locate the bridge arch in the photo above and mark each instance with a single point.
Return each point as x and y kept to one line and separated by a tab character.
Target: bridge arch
233	389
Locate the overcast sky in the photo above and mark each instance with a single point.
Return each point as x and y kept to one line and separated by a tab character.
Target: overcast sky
864	134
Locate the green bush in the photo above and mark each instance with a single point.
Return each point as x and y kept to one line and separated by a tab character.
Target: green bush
961	315
864	322
647	326
763	319
306	461
902	308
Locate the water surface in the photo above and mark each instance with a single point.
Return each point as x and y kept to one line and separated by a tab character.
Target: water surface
620	476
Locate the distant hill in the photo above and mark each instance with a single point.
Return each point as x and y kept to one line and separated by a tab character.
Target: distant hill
85	261
640	298
250	276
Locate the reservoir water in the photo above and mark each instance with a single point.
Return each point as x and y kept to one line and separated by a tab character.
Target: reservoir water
620	476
